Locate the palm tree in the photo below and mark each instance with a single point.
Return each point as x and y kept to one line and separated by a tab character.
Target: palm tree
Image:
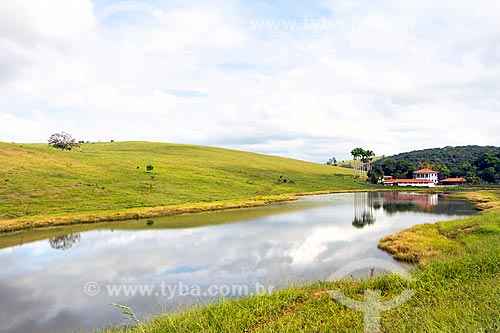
368	158
365	157
357	153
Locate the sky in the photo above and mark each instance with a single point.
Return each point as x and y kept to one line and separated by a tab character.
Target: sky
301	79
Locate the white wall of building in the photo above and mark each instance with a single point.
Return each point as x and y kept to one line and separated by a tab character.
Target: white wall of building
428	176
418	184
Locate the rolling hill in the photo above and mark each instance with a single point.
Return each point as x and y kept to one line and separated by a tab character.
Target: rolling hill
39	181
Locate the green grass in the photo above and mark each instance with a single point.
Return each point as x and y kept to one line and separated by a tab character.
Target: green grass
455	291
109	180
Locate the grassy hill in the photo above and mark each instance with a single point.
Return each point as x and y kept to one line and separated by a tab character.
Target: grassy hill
39	181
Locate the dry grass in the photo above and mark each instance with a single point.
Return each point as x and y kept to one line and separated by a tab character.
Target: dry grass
484	200
419	244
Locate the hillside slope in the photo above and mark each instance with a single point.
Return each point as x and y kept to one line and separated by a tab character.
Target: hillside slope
37	180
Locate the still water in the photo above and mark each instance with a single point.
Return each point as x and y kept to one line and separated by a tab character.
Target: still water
63	280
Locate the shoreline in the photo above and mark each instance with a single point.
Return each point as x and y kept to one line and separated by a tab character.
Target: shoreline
424	243
443	274
454	287
41	222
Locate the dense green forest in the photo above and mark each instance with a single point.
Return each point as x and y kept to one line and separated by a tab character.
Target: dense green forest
478	164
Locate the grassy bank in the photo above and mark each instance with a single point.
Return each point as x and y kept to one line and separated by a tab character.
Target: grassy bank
425	242
41	186
457	288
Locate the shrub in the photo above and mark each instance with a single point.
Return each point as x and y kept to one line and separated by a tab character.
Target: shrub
63	141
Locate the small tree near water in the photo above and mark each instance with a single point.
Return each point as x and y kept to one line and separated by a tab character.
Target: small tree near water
63	141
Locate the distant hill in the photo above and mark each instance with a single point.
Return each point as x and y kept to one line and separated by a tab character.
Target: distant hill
453	157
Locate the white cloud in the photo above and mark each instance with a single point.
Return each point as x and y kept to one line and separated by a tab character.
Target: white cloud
397	76
381	33
32	20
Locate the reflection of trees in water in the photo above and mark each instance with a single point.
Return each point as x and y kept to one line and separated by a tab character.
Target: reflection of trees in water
363	210
401	202
363	221
392	208
396	202
452	207
404	202
64	242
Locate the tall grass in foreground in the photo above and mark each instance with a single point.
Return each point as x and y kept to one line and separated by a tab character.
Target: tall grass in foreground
459	295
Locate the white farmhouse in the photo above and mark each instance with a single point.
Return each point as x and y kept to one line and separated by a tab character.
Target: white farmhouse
421	178
410	182
426	174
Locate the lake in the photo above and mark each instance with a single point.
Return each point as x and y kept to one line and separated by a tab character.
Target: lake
64	279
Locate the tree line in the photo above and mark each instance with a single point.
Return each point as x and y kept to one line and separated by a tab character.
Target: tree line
477	164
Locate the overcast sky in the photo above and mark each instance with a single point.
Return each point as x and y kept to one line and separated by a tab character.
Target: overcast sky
302	79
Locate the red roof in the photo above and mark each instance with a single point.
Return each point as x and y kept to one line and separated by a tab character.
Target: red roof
455	180
425	171
410	181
